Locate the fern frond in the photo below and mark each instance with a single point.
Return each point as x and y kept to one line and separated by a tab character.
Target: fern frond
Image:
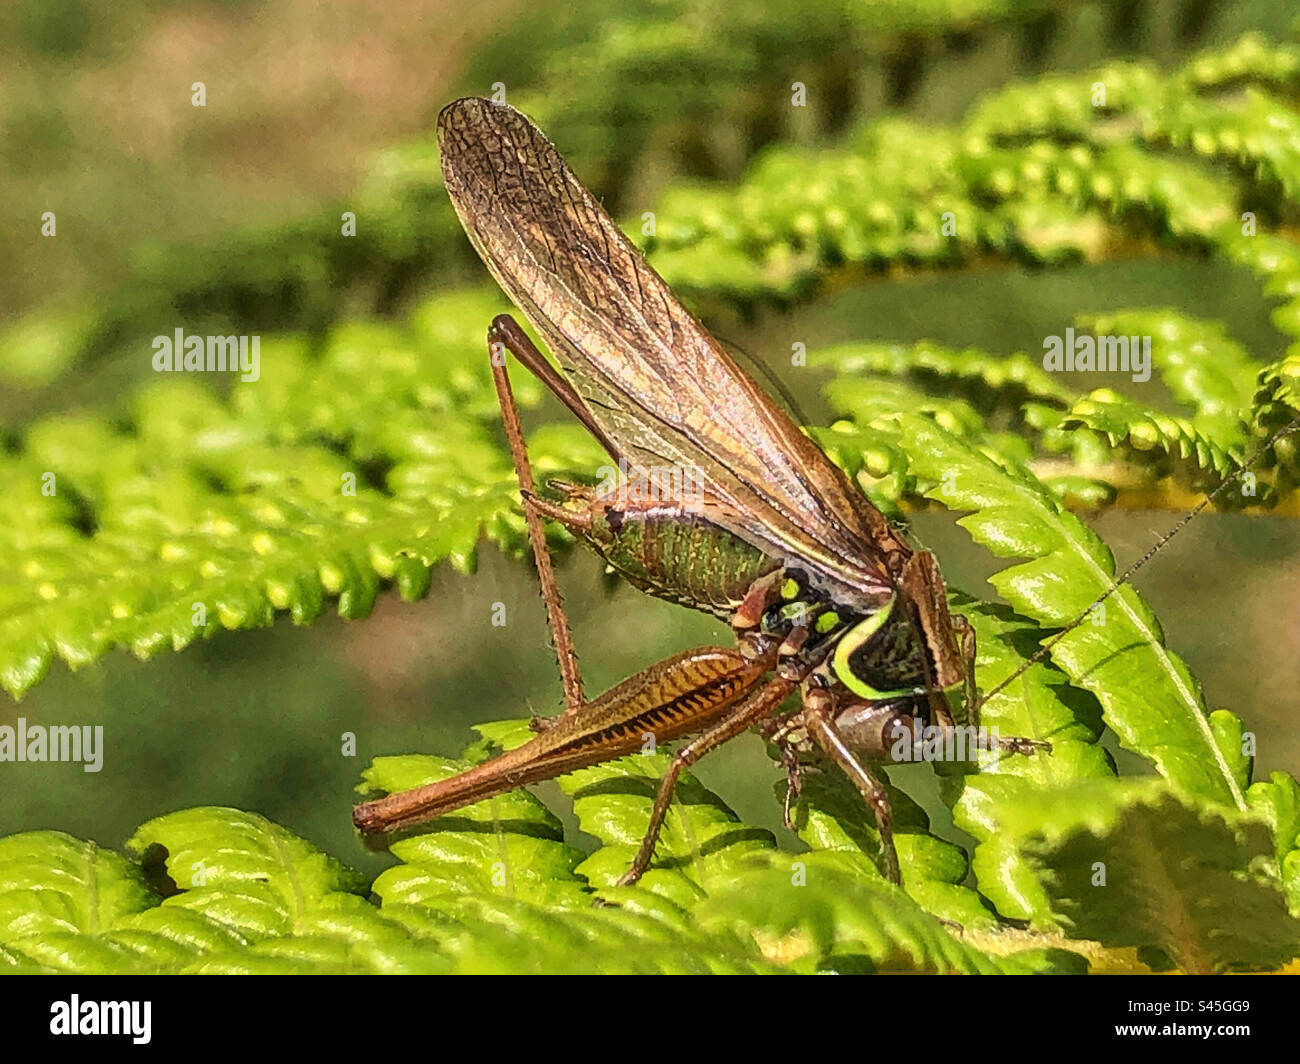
1257	133
1145	868
361	464
1041	705
1143	431
1067	568
989	381
1201	365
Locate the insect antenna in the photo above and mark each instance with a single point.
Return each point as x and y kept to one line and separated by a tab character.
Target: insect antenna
1151	553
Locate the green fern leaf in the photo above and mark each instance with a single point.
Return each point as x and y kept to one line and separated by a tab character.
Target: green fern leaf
830	816
817	911
1134	865
58	895
1041	705
1144	430
1201	365
1277	800
1257	131
206	514
1277	402
510	846
1251	58
1068	568
989	381
240	868
700	846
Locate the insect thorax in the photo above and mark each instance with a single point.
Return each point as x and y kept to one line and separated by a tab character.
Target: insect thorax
881	657
870	647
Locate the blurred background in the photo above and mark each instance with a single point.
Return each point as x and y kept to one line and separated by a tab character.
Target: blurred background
210	213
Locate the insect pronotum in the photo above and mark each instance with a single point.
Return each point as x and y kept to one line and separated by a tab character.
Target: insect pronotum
823	595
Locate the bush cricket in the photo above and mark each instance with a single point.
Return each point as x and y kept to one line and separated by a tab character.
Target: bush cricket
823	595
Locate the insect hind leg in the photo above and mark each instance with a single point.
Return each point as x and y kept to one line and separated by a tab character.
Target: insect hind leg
760	704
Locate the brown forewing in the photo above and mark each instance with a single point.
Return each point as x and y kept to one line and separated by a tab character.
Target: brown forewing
662	388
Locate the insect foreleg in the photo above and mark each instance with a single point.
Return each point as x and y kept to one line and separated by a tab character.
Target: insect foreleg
777	732
1012	744
818	711
966	643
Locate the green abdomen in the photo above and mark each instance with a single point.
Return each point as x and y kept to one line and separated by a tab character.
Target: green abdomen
679	556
